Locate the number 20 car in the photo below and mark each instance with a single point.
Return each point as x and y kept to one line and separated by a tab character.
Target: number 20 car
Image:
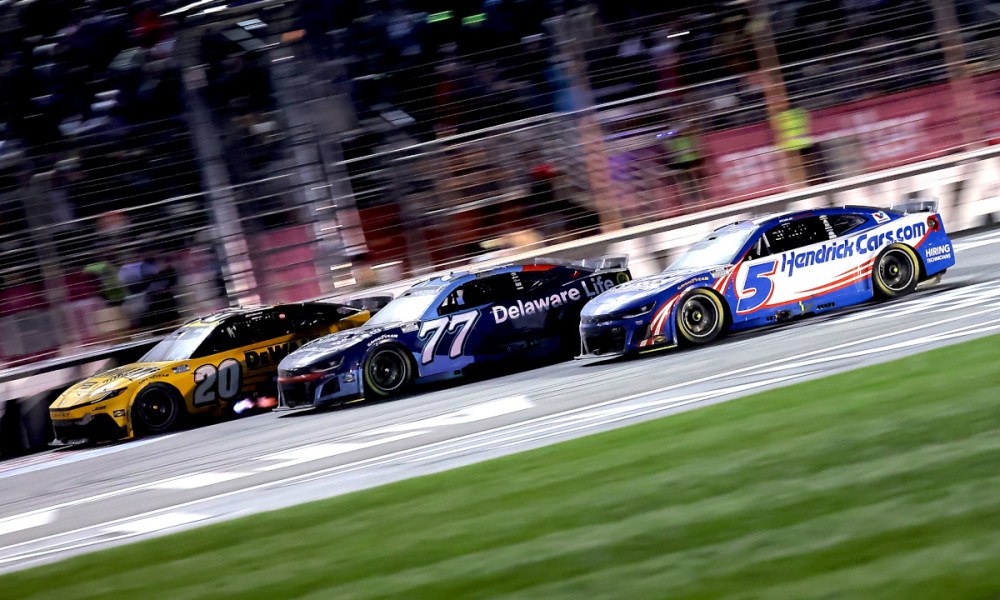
446	326
204	367
754	273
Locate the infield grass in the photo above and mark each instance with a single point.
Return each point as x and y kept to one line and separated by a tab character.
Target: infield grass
878	483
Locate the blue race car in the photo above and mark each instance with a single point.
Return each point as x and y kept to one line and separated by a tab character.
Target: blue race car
759	272
443	327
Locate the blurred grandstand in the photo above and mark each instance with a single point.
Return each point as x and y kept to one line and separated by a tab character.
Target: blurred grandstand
162	159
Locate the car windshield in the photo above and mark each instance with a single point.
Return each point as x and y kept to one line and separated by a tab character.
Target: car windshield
718	248
179	345
403	309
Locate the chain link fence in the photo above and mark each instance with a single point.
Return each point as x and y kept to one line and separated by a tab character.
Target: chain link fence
269	152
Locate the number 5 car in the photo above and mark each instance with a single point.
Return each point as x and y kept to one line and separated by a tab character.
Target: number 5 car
759	272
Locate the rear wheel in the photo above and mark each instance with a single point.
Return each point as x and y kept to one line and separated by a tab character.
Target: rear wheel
700	317
156	409
387	372
895	272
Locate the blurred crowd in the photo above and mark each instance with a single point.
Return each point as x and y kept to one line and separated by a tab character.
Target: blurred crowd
462	66
94	151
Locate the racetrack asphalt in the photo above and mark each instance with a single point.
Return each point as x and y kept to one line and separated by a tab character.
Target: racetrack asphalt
64	502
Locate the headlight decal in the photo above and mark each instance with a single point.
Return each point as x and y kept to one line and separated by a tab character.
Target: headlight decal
637	312
106	396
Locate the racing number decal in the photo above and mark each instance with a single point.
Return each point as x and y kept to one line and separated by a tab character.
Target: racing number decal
460	325
757	288
222	382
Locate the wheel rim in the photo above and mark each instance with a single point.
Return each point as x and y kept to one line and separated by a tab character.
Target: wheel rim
387	371
155	409
699	316
895	270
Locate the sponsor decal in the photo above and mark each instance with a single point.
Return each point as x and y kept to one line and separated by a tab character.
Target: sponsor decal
181	369
880	217
269	357
585	289
129	372
839	249
693	281
382	338
622	277
937	253
409	327
118	413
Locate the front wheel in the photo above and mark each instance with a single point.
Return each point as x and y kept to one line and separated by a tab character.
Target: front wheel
895	272
387	372
156	409
700	317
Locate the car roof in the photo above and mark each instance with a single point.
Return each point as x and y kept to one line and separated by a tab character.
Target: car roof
226	314
774	219
464	276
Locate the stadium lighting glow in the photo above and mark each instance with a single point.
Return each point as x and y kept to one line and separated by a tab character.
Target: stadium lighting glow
439	16
473	19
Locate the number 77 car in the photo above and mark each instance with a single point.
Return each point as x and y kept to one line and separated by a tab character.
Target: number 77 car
760	272
205	367
447	326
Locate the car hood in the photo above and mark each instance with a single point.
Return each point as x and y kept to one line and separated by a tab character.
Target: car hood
342	342
93	388
638	292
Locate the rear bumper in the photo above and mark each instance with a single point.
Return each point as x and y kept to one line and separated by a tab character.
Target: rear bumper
88	429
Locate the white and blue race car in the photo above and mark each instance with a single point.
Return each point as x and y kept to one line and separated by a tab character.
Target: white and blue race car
759	272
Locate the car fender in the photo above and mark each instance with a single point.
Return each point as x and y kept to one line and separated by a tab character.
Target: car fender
670	326
358	367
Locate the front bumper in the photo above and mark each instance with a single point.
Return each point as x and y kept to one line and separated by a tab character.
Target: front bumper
300	390
608	338
99	427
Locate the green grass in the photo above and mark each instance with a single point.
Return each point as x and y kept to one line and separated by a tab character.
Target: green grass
878	483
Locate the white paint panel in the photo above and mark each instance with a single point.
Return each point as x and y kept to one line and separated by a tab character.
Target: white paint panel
26	521
196	480
306	454
157	523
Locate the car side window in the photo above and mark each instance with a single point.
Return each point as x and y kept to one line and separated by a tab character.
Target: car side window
843	224
759	249
247	330
219	340
478	292
307	317
795	234
529	281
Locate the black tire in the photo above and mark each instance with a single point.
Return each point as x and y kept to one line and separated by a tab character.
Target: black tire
895	272
700	318
387	371
156	409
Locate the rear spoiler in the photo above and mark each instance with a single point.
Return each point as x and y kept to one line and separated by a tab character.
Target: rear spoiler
600	263
916	205
372	304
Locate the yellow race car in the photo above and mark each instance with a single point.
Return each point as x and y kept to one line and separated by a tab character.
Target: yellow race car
205	367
